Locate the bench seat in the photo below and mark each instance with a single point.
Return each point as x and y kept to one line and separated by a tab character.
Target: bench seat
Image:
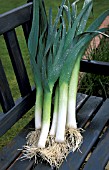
92	116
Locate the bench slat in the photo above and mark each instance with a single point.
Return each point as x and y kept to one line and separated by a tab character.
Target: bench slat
19	165
43	167
100	156
14	153
89	108
6	98
81	98
21	107
17	62
15	17
90	136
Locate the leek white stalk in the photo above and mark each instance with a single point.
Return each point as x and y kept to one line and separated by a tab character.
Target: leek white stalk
61	123
55	112
38	108
45	119
71	116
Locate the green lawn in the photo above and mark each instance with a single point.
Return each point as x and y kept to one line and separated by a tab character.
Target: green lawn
99	7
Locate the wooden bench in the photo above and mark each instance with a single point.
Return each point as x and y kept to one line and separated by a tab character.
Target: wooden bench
92	111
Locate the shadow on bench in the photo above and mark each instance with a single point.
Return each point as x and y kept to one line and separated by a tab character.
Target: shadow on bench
92	111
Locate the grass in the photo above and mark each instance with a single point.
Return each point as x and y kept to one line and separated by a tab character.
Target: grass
99	7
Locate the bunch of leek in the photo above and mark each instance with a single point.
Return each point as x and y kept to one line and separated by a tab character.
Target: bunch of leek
55	53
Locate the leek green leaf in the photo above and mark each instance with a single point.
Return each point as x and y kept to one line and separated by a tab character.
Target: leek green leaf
75	53
95	25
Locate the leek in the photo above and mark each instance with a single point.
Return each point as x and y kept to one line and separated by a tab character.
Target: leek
36	72
55	113
46	119
71	116
55	54
62	113
48	76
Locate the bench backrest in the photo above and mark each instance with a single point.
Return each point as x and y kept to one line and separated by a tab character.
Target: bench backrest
13	110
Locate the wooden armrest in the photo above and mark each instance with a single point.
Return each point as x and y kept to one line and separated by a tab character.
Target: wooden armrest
96	67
